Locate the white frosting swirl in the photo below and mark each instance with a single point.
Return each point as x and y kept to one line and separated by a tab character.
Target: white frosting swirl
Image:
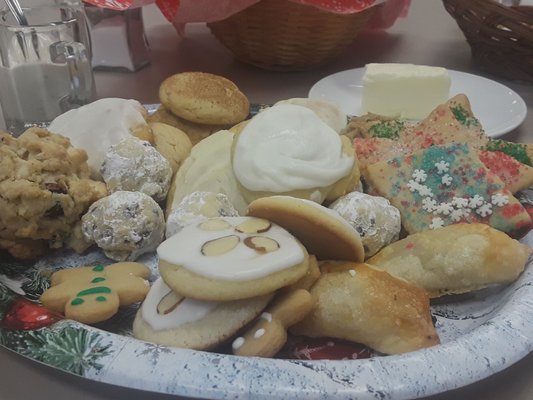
288	147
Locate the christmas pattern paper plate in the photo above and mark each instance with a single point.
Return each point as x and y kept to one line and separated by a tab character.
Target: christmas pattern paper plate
481	333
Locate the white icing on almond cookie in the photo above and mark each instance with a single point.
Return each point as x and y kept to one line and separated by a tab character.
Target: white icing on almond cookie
232	248
163	309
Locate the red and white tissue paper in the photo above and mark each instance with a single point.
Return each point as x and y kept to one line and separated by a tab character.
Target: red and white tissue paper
181	12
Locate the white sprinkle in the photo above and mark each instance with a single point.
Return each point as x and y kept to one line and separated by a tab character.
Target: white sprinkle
423	190
419	175
237	343
485	210
442	166
428	204
436	223
476	201
446	180
258	333
460	202
267	316
499	199
352	272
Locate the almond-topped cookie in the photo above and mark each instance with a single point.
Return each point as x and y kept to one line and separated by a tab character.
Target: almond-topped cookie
170	319
231	258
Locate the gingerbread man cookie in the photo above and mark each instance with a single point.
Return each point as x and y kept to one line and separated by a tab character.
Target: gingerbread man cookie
268	335
93	294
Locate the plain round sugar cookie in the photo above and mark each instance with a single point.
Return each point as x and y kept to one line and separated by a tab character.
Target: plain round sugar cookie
207	169
322	231
173	144
231	258
169	319
204	98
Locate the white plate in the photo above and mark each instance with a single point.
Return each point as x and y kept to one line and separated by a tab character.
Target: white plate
498	108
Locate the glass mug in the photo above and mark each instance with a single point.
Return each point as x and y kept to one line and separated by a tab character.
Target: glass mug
45	67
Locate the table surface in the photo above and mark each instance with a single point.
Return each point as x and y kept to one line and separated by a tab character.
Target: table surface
428	35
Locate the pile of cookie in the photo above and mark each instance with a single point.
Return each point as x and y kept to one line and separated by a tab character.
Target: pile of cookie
291	222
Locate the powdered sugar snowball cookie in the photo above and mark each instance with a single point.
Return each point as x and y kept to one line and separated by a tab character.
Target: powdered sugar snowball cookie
124	225
328	112
374	218
100	124
288	150
169	319
231	258
196	207
134	165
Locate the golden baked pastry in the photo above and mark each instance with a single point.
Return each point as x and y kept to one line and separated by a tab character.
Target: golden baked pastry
45	188
454	259
359	303
204	98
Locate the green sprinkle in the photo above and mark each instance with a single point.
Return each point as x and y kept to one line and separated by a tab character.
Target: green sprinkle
77	301
94	290
387	129
101	298
98	268
462	116
98	279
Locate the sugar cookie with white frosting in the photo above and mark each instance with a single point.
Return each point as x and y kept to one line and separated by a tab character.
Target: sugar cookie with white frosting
231	258
322	231
169	319
288	150
207	169
100	124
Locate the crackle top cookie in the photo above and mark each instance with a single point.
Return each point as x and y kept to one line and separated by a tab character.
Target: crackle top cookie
442	185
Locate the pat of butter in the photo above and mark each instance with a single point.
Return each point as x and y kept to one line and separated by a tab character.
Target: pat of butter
405	90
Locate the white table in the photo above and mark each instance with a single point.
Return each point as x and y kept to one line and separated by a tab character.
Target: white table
427	36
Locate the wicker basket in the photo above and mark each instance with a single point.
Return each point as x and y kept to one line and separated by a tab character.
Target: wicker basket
286	36
501	37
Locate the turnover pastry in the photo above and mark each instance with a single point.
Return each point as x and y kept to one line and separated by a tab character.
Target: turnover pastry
359	303
455	259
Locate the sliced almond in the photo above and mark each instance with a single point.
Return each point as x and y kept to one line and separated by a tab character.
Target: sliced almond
169	303
261	244
220	246
214	224
254	225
